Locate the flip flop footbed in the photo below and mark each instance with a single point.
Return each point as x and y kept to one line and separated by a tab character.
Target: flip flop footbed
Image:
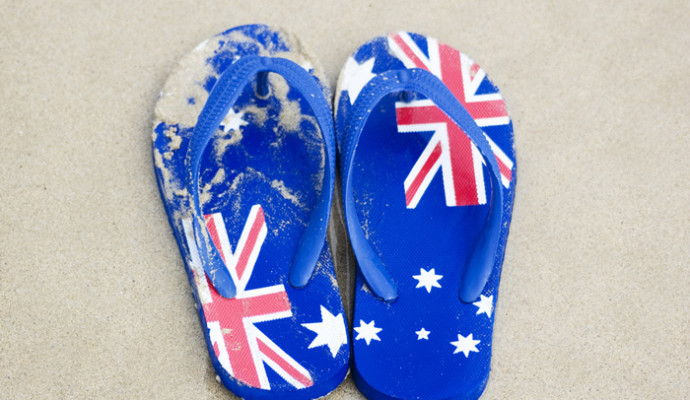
260	177
420	192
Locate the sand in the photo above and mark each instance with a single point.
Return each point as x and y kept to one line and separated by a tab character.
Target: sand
94	302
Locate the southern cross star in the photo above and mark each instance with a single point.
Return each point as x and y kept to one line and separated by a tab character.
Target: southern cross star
422	334
465	345
485	304
368	332
233	121
427	279
329	332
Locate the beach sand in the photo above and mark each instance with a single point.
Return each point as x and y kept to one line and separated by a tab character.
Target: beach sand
94	301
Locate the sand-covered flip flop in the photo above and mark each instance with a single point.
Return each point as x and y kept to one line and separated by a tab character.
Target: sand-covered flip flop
244	153
428	177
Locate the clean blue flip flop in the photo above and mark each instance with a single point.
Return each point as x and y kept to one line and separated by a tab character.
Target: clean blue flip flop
244	154
428	178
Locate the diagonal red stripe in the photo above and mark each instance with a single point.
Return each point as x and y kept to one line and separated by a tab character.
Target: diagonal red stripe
417	181
248	248
213	231
408	52
292	371
505	171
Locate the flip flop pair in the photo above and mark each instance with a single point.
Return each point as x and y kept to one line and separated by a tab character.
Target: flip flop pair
244	153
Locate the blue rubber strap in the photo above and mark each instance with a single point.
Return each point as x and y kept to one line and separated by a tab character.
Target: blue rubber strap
223	96
479	264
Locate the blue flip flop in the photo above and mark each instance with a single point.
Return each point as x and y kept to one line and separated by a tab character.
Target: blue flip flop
428	178
244	154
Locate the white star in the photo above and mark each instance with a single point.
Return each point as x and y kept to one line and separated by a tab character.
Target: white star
329	332
233	121
422	334
427	279
355	76
485	304
368	332
465	345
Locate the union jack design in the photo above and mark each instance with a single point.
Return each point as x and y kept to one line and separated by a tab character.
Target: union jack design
449	148
242	349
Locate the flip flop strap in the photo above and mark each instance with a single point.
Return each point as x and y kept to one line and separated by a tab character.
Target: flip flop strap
480	262
223	96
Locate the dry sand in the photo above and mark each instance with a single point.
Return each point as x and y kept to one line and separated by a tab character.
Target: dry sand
94	302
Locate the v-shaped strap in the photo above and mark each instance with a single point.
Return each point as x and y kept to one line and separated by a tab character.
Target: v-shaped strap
479	264
223	96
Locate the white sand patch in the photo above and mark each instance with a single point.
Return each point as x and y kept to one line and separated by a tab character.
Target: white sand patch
205	194
286	192
221	144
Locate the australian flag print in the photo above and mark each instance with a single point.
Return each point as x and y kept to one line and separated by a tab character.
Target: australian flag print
422	192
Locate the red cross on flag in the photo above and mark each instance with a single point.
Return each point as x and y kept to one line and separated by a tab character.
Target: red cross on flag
449	148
